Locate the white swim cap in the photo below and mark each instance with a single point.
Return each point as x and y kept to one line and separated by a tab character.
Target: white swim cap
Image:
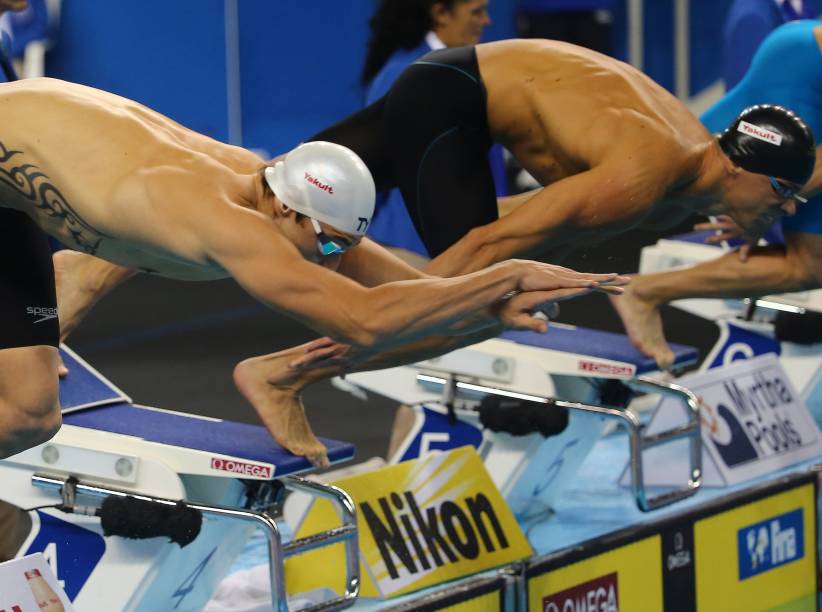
327	182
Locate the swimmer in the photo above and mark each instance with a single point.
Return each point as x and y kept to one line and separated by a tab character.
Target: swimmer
613	149
785	70
115	180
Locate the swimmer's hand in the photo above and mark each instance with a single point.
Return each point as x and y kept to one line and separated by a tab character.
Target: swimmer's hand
320	353
726	228
536	276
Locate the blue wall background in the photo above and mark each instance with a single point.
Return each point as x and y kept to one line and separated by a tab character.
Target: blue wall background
298	61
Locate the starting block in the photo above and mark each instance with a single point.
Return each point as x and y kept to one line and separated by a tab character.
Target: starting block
227	474
583	378
746	326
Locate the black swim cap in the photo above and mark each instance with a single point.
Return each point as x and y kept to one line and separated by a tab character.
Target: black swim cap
769	139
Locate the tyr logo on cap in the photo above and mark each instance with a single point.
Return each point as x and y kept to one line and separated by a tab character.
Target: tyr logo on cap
320	185
760	133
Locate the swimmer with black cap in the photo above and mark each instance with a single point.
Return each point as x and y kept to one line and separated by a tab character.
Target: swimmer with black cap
784	71
770	140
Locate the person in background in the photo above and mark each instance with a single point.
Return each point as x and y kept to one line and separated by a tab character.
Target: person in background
746	26
402	32
587	23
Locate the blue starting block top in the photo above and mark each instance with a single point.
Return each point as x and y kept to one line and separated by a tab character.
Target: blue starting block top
238	440
598	344
85	387
91	401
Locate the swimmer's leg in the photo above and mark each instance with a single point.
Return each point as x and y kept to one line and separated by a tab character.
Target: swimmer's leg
82	280
640	315
273	389
29	401
29	334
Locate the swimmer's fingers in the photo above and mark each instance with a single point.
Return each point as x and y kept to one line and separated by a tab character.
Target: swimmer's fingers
721	237
725	228
534	276
520	311
319	343
609	289
325	352
610	278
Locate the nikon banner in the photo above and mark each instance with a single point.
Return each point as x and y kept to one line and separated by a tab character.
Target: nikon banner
420	523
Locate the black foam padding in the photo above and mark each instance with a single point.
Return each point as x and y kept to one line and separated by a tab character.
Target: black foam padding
520	417
805	328
138	519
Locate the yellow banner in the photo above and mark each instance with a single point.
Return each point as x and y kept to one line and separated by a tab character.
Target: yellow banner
421	522
759	556
626	578
490	602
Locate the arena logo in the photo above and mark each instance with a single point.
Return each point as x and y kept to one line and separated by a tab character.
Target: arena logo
610	369
317	183
760	133
447	531
239	467
770	544
597	595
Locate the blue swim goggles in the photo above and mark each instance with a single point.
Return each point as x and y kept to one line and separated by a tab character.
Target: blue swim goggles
783	191
325	245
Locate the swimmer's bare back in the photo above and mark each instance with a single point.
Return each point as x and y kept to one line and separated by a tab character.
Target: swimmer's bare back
110	177
562	109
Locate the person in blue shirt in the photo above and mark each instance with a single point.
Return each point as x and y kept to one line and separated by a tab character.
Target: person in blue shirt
401	33
746	26
786	70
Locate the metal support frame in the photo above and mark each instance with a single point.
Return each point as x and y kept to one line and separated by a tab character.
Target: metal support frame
70	488
638	442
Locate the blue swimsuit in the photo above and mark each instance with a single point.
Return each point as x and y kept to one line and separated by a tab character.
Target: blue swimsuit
786	70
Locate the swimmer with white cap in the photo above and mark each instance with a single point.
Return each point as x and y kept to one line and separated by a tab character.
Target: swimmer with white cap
111	178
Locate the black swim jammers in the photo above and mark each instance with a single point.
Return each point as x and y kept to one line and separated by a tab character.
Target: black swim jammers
28	301
429	136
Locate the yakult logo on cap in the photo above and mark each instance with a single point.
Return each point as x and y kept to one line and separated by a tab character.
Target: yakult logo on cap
238	467
320	185
760	133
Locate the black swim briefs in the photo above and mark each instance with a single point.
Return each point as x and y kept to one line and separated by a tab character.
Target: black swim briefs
429	136
28	301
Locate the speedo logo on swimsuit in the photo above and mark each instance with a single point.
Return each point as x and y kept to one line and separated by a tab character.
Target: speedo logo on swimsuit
318	184
43	312
760	133
239	467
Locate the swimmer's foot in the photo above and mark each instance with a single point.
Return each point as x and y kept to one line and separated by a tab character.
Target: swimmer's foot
273	389
643	323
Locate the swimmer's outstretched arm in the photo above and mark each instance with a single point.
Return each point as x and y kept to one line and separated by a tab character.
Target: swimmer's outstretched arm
256	254
768	270
605	198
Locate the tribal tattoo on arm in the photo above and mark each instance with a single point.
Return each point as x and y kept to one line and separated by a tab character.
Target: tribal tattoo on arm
34	185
